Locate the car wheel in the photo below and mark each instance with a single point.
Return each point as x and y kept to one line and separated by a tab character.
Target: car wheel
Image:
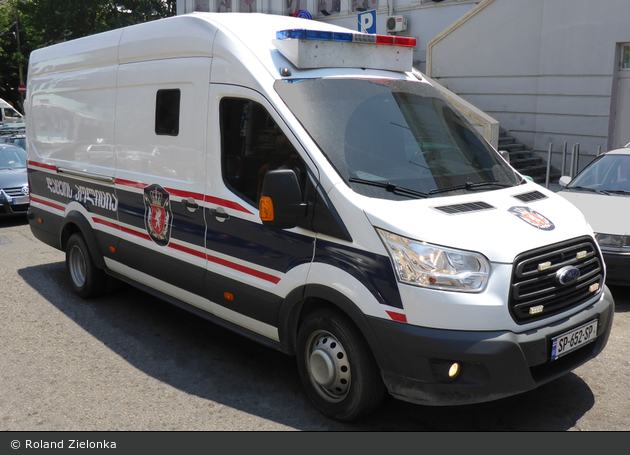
337	368
87	280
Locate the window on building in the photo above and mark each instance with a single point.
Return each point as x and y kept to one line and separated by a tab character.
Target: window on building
247	6
167	112
625	56
202	5
364	5
328	7
224	6
252	144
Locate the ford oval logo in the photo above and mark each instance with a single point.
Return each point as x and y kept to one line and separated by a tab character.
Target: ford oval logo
567	275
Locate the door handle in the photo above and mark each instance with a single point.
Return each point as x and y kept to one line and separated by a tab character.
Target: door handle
219	214
190	204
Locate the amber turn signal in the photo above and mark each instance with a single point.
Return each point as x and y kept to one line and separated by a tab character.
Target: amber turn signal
265	207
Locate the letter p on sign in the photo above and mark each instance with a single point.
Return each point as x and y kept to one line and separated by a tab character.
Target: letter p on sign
367	22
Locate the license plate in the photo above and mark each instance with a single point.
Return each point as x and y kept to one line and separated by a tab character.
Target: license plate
20	200
573	339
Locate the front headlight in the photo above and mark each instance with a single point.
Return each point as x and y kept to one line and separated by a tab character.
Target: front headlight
436	267
613	242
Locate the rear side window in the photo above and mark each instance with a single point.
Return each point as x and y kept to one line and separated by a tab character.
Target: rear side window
167	112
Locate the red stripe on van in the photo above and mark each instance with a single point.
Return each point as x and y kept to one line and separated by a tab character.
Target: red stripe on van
243	269
106	223
42	165
397	316
184	249
49	204
180	193
200	254
142	235
130	183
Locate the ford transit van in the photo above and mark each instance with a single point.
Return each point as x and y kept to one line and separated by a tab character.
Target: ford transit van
301	184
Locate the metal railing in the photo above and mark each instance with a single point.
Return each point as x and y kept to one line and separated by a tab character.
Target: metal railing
575	160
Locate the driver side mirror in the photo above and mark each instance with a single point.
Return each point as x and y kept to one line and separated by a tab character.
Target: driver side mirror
281	203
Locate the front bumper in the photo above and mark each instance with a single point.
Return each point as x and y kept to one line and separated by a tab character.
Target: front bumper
10	206
493	364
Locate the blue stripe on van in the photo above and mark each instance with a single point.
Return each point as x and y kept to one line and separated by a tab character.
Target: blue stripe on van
374	271
275	249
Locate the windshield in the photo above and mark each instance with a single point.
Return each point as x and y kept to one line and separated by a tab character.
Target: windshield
12	158
608	173
394	139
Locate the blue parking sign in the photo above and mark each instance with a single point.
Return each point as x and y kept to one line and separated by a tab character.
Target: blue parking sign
367	22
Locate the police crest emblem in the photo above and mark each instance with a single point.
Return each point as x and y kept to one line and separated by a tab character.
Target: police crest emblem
532	218
157	214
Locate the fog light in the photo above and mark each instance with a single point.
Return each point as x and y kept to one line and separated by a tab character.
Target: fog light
453	371
445	370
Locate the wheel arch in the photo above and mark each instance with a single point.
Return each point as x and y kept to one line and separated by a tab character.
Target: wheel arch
75	222
302	301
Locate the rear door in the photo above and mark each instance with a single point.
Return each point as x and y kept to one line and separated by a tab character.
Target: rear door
251	268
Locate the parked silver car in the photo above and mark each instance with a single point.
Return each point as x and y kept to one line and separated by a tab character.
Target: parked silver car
602	192
14	190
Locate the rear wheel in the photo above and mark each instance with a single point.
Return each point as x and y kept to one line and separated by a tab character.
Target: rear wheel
87	280
337	368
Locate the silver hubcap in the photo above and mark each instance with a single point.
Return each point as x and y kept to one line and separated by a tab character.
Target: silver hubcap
328	366
77	266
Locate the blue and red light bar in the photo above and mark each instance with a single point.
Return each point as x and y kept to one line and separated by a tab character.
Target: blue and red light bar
387	40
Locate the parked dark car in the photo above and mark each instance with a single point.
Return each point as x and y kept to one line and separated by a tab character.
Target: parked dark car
14	190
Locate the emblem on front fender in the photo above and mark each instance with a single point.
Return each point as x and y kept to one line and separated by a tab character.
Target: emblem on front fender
157	214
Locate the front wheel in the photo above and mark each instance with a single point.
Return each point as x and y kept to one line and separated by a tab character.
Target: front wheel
337	368
87	280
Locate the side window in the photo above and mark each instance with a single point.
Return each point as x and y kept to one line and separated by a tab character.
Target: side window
252	145
167	112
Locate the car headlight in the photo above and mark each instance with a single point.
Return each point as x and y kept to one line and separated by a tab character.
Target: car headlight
436	267
613	242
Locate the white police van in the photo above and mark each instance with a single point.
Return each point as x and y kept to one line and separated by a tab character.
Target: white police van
301	185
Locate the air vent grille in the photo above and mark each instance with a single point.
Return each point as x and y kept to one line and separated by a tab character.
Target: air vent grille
531	196
464	208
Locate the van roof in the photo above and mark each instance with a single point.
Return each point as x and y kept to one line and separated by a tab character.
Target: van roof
192	35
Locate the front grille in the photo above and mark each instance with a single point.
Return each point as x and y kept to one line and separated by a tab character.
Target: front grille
464	208
14	192
535	284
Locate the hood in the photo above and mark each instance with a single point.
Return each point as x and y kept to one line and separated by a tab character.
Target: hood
13	178
604	213
499	224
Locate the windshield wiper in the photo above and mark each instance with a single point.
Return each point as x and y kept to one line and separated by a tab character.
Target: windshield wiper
594	190
470	186
390	187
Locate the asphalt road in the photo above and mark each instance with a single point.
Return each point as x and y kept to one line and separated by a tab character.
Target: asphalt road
130	362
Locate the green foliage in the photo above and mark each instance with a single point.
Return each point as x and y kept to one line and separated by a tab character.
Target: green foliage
42	23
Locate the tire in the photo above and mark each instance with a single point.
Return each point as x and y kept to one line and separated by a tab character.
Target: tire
87	280
337	368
